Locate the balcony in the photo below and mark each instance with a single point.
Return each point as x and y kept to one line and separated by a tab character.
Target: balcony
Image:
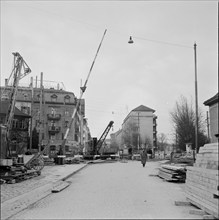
54	129
53	116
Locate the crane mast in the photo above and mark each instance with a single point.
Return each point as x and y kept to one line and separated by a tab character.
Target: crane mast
20	70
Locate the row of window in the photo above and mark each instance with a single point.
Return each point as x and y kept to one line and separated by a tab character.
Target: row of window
54	98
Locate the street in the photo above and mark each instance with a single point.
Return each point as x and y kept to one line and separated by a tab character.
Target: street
114	190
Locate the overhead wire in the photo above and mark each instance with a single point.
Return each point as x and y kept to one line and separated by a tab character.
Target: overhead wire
111	29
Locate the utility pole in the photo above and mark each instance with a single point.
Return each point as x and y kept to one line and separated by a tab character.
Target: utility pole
31	113
138	134
196	102
41	108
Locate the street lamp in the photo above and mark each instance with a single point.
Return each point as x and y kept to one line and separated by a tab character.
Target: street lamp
196	86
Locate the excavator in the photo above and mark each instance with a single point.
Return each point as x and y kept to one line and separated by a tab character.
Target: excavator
94	148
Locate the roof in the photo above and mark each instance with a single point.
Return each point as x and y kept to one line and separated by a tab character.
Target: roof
212	100
4	109
143	108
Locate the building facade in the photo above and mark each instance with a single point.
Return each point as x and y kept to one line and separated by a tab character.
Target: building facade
139	130
19	135
213	114
51	110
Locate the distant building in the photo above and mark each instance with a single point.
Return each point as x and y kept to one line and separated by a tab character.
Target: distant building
57	108
139	130
213	114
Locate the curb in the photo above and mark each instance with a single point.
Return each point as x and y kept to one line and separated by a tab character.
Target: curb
71	174
15	205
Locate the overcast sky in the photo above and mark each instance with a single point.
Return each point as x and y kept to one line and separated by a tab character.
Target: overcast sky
60	39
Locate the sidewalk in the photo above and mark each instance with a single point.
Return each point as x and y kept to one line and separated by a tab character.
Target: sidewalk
16	197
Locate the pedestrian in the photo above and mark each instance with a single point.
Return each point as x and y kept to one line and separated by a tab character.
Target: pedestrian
144	157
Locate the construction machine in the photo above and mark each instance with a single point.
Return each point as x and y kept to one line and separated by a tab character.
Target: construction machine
94	148
20	70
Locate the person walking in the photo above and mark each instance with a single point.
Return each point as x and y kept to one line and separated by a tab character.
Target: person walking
144	157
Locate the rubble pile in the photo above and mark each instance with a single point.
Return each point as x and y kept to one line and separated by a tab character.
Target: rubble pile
202	180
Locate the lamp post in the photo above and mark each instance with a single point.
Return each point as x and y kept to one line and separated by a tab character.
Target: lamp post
196	101
196	88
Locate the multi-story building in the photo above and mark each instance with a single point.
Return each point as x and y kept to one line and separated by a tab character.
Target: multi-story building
139	130
51	115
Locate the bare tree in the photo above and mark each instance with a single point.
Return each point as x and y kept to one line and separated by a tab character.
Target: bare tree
130	135
162	141
183	118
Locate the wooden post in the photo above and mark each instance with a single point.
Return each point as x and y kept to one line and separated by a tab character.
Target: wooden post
31	114
41	108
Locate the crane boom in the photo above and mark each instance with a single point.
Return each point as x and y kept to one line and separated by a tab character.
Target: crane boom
20	70
103	137
79	100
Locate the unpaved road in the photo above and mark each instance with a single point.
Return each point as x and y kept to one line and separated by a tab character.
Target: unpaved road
114	190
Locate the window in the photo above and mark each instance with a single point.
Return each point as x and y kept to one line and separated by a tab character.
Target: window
25	96
66	124
52	137
53	111
54	98
67	148
66	113
52	148
25	109
67	99
38	97
52	123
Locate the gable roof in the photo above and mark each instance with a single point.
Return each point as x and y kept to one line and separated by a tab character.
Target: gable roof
4	110
212	100
143	108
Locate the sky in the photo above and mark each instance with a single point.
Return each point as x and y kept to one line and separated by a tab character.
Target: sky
61	38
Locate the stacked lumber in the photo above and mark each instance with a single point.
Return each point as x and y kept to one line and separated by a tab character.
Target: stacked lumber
202	180
172	173
15	175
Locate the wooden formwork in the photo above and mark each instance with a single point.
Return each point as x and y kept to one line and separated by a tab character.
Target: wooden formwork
202	180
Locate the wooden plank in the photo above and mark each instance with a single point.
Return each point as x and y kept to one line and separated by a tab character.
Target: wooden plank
167	171
197	212
175	168
208	217
204	207
203	180
62	185
182	203
203	202
208	197
201	170
167	178
201	187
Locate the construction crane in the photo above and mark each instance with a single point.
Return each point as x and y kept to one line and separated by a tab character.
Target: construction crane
83	88
20	69
103	137
94	146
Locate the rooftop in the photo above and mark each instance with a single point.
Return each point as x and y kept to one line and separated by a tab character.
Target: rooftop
143	108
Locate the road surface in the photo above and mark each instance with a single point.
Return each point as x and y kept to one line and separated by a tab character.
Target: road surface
114	190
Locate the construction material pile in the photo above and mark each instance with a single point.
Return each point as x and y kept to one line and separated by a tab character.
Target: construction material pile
186	158
202	180
175	173
13	174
